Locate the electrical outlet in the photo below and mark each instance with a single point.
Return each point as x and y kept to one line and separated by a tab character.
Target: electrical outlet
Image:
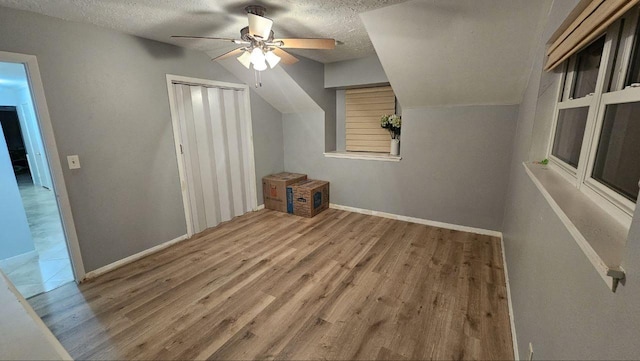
74	161
530	351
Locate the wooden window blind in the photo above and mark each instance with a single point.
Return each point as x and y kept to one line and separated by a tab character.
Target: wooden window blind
364	109
583	27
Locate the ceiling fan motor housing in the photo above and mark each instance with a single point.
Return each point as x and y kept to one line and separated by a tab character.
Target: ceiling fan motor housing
256	10
244	35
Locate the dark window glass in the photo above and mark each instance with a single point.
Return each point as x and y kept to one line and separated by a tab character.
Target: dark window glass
563	94
617	56
587	66
569	132
633	75
617	163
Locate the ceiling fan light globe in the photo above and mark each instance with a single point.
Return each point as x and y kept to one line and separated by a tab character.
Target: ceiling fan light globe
272	59
257	56
260	66
245	59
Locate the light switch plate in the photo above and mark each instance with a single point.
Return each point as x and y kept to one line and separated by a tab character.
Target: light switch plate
74	161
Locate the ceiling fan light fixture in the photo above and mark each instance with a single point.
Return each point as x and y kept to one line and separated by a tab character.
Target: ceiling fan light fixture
260	66
257	56
245	59
258	46
272	59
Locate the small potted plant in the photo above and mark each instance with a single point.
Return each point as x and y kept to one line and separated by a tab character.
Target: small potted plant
392	123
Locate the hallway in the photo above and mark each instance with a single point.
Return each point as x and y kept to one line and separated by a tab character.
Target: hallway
50	268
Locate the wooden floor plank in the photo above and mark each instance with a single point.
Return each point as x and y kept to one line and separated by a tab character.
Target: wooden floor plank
269	285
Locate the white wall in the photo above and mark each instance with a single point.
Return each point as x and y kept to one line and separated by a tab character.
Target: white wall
15	237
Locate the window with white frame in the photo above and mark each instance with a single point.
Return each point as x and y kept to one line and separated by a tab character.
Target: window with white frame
363	109
595	138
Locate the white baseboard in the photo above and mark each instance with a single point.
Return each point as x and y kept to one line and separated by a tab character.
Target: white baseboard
137	256
426	222
19	260
514	339
132	258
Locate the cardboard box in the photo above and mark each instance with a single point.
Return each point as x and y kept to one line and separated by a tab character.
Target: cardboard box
308	198
274	189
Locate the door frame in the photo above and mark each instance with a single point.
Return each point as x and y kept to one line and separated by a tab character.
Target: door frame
175	121
53	158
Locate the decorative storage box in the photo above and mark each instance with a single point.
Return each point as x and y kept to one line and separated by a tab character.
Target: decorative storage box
308	197
274	188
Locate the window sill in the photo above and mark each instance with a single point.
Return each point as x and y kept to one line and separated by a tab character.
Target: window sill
600	236
364	156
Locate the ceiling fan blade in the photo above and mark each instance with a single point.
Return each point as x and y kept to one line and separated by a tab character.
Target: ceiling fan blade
286	58
260	26
309	43
229	54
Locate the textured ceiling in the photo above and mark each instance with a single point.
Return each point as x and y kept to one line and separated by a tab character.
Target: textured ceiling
12	75
159	19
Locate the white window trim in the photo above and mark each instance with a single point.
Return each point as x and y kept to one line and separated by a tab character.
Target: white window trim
620	208
597	217
382	157
601	238
622	203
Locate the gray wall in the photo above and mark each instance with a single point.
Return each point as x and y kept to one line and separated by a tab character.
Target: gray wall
309	75
453	169
107	97
267	140
341	121
454	166
363	71
560	302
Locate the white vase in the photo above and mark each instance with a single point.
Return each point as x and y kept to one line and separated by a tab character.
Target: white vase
395	147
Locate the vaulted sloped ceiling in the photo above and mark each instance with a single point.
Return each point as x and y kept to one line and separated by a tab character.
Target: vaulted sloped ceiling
280	89
463	52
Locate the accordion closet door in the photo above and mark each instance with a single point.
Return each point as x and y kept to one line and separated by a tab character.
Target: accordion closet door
216	149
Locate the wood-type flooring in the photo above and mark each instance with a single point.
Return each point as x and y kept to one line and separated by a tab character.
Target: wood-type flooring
269	285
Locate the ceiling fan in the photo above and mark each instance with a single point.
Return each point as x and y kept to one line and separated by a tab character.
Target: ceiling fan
259	47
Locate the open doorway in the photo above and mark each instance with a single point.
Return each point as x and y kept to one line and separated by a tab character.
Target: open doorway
33	247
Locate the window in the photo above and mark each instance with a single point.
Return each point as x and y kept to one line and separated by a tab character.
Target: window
595	141
617	162
567	142
586	71
364	107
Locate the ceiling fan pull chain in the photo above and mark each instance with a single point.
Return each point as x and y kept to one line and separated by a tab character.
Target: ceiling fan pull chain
258	78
